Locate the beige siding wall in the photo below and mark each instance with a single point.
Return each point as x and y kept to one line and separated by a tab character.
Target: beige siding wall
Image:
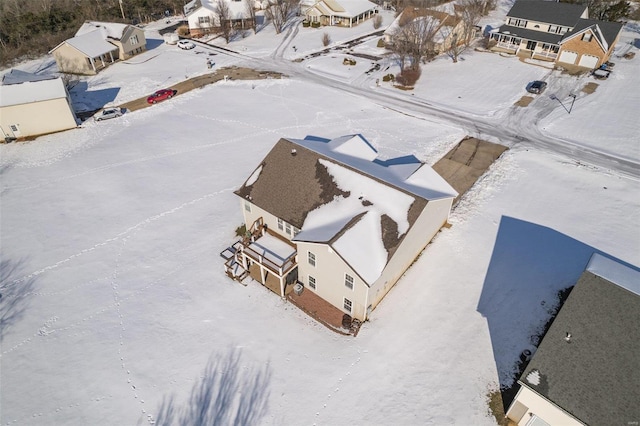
432	218
329	272
195	27
127	48
582	47
38	118
270	220
72	61
536	405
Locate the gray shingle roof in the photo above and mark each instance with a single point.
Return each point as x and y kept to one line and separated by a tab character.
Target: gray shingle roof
530	34
609	30
595	376
550	12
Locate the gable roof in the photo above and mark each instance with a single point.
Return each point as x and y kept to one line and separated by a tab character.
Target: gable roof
91	44
339	193
436	19
237	8
111	30
604	31
19	87
342	8
550	12
594	377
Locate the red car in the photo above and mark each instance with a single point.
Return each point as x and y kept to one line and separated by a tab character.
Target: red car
161	95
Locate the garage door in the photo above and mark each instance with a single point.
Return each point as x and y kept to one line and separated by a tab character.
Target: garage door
588	61
568	57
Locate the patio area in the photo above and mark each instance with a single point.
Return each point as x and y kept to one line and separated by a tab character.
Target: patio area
323	312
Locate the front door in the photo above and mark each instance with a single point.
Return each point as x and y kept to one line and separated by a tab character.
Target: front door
531	45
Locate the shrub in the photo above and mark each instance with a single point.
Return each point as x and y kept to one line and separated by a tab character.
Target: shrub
377	21
183	30
241	230
381	43
348	61
388	77
408	77
315	24
326	40
306	23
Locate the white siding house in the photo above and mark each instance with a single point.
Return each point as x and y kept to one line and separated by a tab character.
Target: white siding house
352	221
32	105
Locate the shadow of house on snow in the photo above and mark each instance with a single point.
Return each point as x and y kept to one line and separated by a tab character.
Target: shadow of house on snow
87	101
14	292
530	265
227	393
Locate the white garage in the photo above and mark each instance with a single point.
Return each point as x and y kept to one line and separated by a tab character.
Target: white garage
589	61
568	57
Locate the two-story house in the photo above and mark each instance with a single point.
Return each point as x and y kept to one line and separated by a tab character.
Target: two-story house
96	45
333	216
557	32
203	16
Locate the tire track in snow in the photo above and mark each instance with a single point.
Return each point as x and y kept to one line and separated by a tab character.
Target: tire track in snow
123	234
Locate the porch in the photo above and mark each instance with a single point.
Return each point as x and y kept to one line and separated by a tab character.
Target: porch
324	312
264	256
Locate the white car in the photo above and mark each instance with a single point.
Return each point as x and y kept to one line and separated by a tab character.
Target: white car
186	44
108	113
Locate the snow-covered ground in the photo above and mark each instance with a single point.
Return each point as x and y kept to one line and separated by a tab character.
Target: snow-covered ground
115	306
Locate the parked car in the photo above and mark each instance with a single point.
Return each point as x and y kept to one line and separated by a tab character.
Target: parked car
600	74
536	87
108	113
186	44
161	95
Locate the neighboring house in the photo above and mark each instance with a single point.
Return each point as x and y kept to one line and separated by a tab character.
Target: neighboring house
33	105
586	370
203	16
333	216
344	13
96	45
444	29
558	32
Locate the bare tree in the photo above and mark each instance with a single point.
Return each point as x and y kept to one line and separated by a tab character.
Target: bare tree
470	12
414	38
326	39
223	10
455	43
251	13
377	22
279	11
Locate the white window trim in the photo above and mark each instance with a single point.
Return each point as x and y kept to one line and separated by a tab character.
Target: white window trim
347	282
312	255
312	285
280	224
344	305
247	206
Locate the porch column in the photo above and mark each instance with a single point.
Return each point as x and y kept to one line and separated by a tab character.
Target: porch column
263	277
93	64
282	287
111	56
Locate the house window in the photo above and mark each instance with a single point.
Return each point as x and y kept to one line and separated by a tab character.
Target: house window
312	259
287	228
14	128
518	22
348	281
586	37
280	224
203	20
296	231
347	305
133	39
312	282
556	29
247	206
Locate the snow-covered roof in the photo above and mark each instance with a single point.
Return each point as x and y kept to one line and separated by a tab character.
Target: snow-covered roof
29	91
238	9
91	44
17	76
108	29
434	19
338	192
344	8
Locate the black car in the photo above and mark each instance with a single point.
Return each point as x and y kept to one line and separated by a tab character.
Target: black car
536	87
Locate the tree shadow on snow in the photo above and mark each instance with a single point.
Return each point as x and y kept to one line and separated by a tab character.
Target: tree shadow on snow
227	393
530	265
14	293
